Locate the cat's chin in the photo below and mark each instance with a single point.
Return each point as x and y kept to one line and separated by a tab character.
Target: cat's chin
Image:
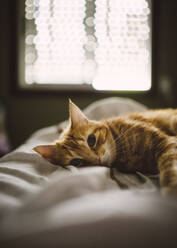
105	161
105	165
108	157
108	165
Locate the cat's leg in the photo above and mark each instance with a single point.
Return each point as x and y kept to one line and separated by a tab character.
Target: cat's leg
167	164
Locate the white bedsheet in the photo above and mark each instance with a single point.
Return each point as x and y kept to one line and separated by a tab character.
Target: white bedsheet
45	205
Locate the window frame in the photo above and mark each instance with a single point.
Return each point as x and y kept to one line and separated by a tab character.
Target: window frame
16	16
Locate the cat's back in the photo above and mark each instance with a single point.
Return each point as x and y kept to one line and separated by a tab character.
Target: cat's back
163	119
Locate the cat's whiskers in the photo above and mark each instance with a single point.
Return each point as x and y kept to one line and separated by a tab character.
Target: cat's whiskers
121	139
118	141
121	143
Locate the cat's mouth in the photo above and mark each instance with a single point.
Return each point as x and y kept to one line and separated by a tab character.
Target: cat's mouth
105	160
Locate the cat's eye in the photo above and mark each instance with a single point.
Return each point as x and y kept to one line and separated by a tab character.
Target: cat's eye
76	162
91	140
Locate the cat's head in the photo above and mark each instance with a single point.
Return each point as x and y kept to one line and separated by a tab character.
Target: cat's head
82	143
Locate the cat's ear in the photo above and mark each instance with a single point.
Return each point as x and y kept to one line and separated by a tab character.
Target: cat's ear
77	118
47	151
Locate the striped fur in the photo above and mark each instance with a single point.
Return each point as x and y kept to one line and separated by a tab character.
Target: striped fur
144	142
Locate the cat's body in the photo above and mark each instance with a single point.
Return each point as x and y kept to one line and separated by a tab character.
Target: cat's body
141	138
144	142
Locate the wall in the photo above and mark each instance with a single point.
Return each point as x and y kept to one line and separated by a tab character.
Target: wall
26	113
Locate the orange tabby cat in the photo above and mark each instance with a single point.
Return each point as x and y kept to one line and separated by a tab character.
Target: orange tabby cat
143	142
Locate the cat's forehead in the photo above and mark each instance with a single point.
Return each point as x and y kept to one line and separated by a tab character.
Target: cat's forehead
68	149
79	131
63	152
70	141
73	140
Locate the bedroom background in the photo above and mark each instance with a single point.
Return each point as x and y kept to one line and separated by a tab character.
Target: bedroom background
27	111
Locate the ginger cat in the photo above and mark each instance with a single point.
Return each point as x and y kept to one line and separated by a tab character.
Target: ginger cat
144	142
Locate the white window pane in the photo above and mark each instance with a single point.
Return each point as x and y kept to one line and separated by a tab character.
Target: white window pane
123	55
54	41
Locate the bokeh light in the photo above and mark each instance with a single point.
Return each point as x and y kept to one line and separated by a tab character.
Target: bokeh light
58	44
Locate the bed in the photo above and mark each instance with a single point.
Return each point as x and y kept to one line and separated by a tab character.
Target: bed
42	205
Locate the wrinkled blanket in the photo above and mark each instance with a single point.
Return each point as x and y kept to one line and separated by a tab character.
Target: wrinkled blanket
46	205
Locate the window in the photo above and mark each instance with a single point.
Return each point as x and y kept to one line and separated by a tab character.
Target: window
96	44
